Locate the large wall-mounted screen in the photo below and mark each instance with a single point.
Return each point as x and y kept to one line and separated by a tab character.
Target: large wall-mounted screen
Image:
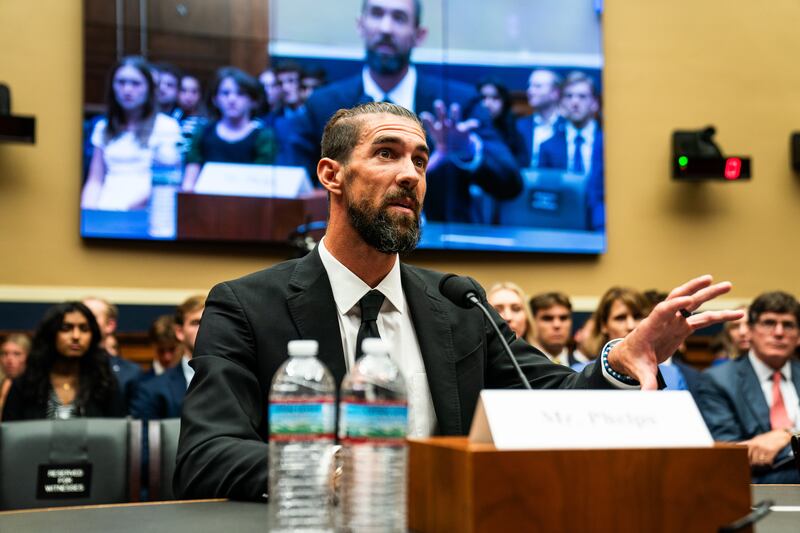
203	119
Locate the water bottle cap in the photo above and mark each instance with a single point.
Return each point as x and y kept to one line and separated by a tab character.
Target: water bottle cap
303	348
375	346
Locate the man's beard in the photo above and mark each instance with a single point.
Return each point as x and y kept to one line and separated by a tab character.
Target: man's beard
388	64
380	229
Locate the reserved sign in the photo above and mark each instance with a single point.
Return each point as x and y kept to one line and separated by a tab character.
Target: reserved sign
586	419
57	481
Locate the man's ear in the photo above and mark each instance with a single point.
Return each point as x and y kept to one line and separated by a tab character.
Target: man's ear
330	174
419	35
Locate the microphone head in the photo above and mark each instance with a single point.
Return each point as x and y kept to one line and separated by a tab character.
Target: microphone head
458	290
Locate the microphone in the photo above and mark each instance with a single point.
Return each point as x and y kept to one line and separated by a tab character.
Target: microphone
461	292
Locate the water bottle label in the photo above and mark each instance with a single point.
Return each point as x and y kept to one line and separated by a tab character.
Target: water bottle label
311	419
375	423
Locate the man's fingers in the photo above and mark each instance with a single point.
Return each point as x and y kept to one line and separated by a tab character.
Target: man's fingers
691	286
709	293
706	318
440	109
455	112
468	125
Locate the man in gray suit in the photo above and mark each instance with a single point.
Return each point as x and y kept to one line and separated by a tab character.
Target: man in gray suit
374	159
754	399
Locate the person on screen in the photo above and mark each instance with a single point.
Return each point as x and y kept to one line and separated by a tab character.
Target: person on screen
578	146
67	374
618	314
508	299
162	396
544	96
126	141
552	320
496	99
235	137
191	112
273	95
167	88
374	163
753	400
14	352
313	79
468	157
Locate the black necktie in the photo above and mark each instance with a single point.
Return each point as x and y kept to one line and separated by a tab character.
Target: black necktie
577	166
370	305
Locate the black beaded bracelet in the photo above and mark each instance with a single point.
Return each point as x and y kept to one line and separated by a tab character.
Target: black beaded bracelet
627	380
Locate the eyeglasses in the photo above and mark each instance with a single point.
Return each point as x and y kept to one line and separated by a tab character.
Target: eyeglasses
770	325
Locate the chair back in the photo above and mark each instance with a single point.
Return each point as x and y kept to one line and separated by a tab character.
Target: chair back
82	461
163	445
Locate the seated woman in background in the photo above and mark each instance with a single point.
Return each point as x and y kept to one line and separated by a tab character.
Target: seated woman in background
13	355
511	303
619	312
67	375
235	137
127	141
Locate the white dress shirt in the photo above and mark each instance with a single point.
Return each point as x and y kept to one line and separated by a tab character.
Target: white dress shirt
403	94
395	327
587	132
188	371
789	393
543	129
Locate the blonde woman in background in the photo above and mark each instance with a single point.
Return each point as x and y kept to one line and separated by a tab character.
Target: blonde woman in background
13	355
511	303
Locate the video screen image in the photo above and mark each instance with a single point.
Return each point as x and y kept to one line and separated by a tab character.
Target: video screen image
203	122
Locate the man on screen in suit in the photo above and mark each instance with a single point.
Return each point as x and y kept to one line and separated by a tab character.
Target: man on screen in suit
374	169
577	147
468	156
754	399
544	96
162	396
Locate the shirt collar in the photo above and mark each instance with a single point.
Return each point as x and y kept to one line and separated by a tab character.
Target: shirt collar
348	288
402	94
765	372
587	132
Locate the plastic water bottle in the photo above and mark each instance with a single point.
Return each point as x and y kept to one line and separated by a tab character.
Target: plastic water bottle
373	420
162	220
301	436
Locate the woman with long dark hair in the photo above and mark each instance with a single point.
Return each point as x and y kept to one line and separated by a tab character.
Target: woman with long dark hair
235	137
496	98
67	375
126	141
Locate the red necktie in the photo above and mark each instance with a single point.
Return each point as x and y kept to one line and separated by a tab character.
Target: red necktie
778	417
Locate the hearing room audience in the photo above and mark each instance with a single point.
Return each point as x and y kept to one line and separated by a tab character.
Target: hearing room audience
510	301
14	352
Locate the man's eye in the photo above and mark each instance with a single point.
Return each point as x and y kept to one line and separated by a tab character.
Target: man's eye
383	152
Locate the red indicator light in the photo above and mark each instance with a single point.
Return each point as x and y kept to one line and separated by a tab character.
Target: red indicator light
733	168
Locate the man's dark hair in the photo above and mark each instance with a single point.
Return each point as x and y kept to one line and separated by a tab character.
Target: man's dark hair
417	11
289	66
343	130
773	302
169	68
547	300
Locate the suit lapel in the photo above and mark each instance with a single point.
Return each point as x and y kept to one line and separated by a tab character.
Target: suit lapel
313	310
753	394
435	338
796	380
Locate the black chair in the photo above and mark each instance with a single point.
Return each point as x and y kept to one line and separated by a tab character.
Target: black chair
163	448
83	461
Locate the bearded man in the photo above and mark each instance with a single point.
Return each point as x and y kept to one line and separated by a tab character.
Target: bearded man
469	160
374	164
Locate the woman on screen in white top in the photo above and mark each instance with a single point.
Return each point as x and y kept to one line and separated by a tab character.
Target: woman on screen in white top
126	140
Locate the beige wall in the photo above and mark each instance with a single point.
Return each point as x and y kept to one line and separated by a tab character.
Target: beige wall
669	64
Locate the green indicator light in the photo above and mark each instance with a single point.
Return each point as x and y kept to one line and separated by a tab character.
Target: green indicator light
683	160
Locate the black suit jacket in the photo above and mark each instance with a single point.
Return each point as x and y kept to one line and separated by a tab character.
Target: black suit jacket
242	342
448	197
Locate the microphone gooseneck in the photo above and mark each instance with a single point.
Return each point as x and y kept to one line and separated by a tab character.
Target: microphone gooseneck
461	292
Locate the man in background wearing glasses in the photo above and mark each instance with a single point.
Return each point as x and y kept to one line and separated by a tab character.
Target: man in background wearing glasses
754	399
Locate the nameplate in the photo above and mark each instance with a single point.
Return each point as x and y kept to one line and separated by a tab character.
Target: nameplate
57	481
581	419
262	181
